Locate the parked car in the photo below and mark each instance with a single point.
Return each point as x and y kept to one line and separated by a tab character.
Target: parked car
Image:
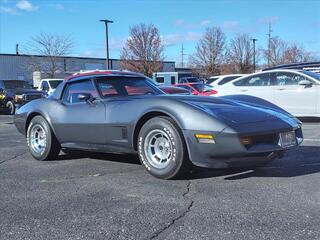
14	93
296	91
174	90
223	79
198	88
49	85
189	80
122	112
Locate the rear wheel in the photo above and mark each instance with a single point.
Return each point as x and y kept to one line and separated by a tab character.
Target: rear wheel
162	150
11	108
42	143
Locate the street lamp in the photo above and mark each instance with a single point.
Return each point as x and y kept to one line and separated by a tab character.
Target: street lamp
254	53
106	21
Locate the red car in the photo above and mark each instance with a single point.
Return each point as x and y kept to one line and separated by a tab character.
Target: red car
198	88
174	90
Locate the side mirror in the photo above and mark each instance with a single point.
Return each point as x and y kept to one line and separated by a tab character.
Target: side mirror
305	83
85	97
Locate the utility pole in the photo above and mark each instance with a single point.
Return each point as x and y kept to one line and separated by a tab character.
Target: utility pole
106	21
269	43
254	53
182	55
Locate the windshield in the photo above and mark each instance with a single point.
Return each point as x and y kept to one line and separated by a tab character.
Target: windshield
312	74
54	83
202	87
126	86
13	84
212	79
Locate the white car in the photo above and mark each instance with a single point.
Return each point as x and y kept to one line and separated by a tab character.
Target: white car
296	91
223	79
49	85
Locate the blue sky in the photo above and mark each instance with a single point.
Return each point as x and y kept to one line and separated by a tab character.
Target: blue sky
178	21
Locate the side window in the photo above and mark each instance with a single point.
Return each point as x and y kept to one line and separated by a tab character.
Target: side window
227	79
45	86
160	79
259	80
285	78
72	90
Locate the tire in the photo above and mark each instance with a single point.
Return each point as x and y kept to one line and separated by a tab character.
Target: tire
42	143
11	108
162	149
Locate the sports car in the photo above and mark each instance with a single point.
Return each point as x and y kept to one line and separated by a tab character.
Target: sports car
123	112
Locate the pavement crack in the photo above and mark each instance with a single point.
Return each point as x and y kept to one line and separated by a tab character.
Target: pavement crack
180	216
12	158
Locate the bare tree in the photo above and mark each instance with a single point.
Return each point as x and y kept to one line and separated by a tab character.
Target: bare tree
50	46
143	51
210	51
296	54
282	52
240	54
276	51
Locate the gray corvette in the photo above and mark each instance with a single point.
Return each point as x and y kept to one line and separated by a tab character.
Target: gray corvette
124	112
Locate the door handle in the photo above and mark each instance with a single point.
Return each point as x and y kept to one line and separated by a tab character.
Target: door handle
280	89
244	90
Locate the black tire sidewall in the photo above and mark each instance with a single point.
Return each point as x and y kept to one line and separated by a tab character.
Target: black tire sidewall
177	141
41	121
11	108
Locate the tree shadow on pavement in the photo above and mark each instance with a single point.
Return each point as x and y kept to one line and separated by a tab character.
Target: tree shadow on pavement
304	160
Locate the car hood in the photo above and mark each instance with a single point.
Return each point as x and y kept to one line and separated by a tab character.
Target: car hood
232	111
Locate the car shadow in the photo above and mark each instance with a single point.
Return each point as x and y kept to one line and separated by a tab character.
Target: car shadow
301	161
110	157
298	162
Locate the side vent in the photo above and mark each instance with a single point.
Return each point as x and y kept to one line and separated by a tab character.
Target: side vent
124	133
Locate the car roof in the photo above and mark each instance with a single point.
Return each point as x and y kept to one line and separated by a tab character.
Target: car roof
267	71
228	75
95	73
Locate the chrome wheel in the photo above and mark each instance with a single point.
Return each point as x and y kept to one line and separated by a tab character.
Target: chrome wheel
38	139
158	148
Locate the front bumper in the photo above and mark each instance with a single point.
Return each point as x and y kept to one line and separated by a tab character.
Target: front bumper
228	151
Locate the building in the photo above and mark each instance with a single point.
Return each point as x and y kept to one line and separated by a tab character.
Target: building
22	67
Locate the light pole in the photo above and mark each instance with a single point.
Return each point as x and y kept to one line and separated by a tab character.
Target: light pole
106	21
254	53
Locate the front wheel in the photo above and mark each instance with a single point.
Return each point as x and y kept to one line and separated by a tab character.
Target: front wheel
11	107
162	150
42	143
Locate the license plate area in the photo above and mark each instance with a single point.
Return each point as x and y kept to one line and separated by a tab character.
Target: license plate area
287	139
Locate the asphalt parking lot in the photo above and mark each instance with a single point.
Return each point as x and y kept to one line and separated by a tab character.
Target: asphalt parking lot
112	197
